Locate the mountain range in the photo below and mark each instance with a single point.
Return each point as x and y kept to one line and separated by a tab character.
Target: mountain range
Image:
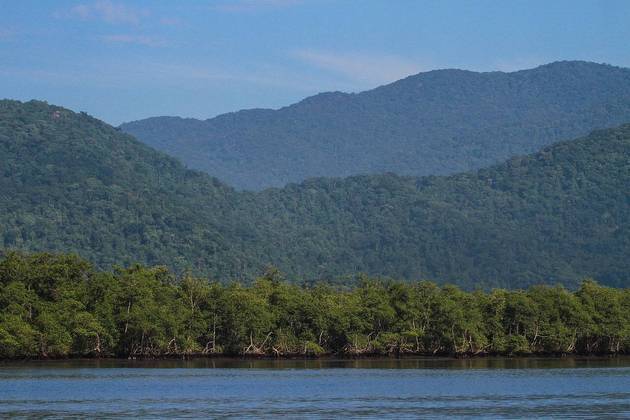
434	123
71	183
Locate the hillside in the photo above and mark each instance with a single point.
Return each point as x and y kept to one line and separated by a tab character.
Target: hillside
556	216
435	123
74	184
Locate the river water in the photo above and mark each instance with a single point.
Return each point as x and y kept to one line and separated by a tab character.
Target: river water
327	388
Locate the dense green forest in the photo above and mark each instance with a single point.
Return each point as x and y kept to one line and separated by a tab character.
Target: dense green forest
71	183
59	306
435	123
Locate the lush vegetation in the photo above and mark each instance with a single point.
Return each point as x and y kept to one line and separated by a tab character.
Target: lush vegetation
434	123
70	183
59	306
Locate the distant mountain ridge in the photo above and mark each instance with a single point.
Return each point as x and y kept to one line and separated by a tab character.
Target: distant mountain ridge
434	123
71	183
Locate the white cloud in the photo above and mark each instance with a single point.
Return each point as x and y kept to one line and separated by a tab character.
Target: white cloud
107	11
147	41
361	68
254	5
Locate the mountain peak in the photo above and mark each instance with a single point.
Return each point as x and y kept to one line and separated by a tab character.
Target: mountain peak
436	122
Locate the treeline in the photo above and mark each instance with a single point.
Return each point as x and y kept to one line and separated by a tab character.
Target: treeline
438	122
59	306
71	183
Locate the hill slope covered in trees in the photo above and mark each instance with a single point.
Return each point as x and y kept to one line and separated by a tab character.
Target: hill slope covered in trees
75	184
435	123
71	183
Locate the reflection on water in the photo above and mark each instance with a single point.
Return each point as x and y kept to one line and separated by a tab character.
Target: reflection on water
327	363
319	388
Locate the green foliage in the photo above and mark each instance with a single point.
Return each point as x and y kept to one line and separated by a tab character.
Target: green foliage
70	183
74	310
433	123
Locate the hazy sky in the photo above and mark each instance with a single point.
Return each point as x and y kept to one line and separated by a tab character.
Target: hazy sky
124	60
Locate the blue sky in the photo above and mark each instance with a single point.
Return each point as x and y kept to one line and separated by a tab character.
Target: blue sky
124	60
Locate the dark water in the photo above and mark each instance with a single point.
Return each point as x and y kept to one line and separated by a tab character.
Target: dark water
325	388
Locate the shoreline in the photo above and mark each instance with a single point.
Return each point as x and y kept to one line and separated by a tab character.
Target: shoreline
322	358
58	306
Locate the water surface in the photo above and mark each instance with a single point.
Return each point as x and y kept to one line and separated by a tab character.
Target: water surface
570	387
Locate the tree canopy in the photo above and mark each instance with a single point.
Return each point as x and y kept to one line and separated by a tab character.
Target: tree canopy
71	183
60	306
434	123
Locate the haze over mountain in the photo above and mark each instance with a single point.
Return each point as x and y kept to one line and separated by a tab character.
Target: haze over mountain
434	123
71	183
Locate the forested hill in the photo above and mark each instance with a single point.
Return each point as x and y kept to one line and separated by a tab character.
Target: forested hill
71	183
556	216
434	123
